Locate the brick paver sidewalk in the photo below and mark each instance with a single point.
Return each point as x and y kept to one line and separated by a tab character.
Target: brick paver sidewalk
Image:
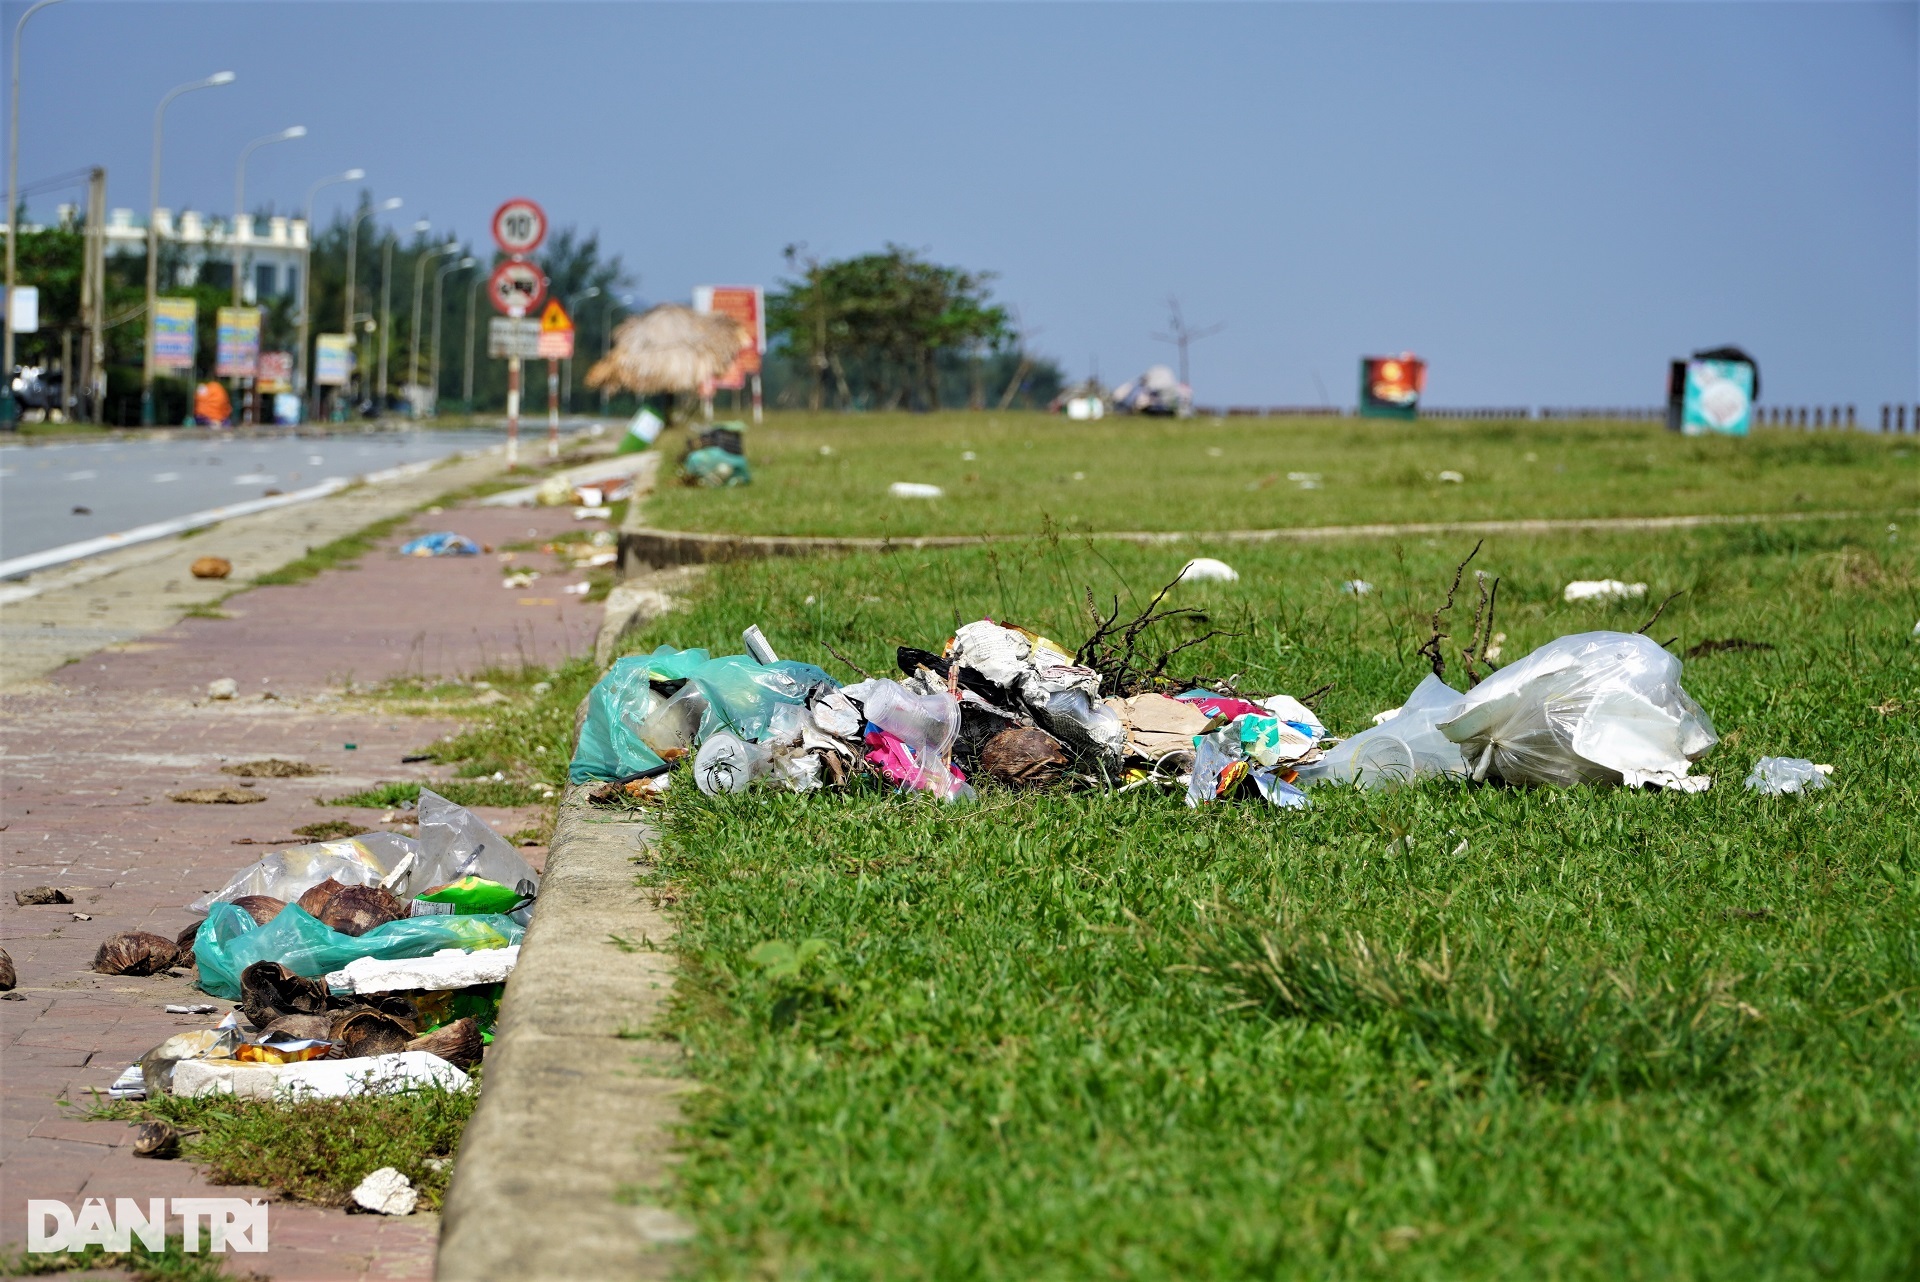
89	760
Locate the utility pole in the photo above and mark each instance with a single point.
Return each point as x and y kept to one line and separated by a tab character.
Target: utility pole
93	296
466	360
1181	337
300	379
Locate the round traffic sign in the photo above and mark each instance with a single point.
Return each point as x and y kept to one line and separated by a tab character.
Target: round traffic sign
519	226
516	288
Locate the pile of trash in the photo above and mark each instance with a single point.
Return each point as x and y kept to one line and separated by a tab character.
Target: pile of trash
374	962
717	456
1004	703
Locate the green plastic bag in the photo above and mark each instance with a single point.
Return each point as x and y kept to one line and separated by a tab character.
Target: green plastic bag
473	895
610	746
229	942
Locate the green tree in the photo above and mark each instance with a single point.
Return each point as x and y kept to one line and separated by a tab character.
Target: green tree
880	327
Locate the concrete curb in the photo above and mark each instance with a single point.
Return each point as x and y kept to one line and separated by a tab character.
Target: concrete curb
560	1170
644	548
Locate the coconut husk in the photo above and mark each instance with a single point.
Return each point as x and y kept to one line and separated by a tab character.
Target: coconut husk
668	348
316	899
221	796
211	567
136	952
271	768
355	910
361	1033
156	1139
459	1043
41	895
1024	757
7	978
184	943
269	990
305	1027
262	908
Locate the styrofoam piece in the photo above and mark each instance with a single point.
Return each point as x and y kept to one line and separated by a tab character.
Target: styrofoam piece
317	1078
448	968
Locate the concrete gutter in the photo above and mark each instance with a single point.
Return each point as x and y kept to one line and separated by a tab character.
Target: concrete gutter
562	1167
643	548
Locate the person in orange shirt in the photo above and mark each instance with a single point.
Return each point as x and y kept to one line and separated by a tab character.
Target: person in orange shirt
211	407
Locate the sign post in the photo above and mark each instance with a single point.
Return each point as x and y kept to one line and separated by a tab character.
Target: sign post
556	344
517	287
747	305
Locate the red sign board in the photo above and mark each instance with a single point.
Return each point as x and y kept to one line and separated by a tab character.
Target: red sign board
519	226
745	304
516	288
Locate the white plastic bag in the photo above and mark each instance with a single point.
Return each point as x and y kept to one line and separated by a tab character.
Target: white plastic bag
1595	707
1775	776
1403	749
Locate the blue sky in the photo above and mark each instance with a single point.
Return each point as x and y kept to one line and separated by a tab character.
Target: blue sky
1546	200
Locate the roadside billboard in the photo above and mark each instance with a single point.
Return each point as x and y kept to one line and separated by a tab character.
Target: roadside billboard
275	372
1713	393
332	360
1390	386
173	333
237	349
747	305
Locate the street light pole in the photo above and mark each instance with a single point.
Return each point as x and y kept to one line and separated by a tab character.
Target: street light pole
240	195
9	411
606	338
353	244
573	310
466	361
419	295
439	281
153	237
386	319
306	276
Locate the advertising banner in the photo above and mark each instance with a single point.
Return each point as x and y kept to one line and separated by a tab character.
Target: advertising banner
237	350
746	304
1717	398
275	372
173	333
1390	386
332	360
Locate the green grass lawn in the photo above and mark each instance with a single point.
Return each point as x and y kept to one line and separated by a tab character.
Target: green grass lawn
1028	470
1444	1032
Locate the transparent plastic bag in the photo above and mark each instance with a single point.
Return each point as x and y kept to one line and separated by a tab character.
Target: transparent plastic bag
1774	776
1080	720
742	694
366	860
229	942
456	843
1594	707
1407	748
674	727
612	738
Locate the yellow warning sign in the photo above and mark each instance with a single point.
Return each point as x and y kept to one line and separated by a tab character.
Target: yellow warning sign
555	320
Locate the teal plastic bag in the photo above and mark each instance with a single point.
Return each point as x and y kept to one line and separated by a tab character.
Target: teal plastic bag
610	746
229	942
714	466
743	692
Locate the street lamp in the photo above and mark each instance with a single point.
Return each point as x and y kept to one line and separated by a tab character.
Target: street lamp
306	272
9	411
353	243
240	194
606	338
466	360
573	310
439	279
213	81
419	293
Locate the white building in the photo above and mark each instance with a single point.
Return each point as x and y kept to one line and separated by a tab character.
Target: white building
272	250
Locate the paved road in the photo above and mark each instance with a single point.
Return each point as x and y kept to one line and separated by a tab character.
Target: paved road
127	483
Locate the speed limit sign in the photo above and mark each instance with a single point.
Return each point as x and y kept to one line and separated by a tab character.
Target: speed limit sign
519	226
516	288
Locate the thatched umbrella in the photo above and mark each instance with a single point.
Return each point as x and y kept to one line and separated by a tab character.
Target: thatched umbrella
668	348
